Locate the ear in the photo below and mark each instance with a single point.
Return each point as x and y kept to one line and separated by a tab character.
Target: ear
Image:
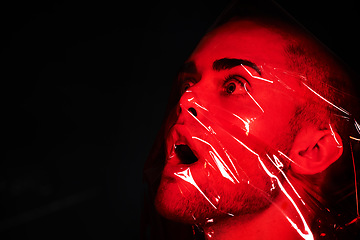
315	150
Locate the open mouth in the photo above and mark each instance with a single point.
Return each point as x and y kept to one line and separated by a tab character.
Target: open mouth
185	154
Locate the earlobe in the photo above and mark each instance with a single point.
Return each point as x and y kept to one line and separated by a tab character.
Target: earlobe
315	150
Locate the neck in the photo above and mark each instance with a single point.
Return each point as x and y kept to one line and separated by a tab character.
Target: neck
269	224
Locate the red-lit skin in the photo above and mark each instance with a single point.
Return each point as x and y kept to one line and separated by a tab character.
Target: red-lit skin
255	214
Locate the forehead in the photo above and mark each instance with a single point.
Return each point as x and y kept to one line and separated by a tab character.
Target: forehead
244	40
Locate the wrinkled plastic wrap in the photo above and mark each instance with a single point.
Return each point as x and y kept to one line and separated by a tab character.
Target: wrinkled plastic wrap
261	139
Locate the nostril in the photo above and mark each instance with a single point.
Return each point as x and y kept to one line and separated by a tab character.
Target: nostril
192	111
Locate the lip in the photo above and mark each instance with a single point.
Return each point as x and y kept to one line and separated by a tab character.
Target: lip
180	135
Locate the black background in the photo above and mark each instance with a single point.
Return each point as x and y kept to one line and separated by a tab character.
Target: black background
84	90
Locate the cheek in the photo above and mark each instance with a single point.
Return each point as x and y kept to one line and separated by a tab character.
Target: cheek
274	122
242	106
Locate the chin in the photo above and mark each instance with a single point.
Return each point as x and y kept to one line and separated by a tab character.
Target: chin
177	202
181	202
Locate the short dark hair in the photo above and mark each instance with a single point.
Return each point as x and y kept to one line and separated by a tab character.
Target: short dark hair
332	80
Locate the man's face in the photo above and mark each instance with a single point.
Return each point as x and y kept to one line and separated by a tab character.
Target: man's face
232	111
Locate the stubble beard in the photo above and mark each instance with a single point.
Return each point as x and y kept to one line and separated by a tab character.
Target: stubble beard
180	201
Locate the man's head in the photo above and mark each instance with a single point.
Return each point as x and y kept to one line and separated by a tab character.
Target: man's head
250	91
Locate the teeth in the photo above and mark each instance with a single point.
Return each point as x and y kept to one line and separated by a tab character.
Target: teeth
185	154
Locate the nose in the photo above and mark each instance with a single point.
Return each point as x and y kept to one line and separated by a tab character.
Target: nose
192	111
188	104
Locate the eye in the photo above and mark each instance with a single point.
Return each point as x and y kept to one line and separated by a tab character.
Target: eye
235	85
230	87
186	85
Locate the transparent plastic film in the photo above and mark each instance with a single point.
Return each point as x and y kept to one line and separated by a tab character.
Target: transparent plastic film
262	139
209	142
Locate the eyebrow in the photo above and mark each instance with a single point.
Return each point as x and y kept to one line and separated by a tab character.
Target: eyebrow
228	63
